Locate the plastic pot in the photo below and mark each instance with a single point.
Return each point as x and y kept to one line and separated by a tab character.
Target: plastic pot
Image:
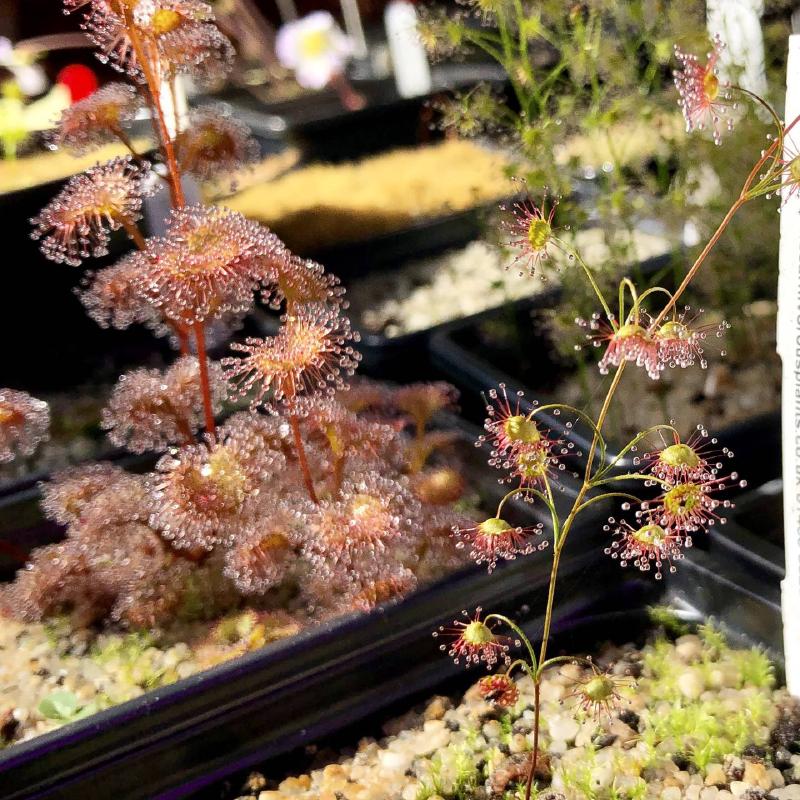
754	533
418	240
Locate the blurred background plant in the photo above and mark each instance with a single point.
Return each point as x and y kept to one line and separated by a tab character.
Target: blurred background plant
591	115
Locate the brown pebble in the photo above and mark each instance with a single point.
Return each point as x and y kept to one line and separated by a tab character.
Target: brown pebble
255	782
515	768
715	775
296	785
755	774
437	708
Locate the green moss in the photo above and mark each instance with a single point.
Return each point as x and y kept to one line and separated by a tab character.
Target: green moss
132	658
666	618
714	641
578	776
659	667
58	630
467	775
434	784
507	724
127	648
235	627
708	730
754	668
638	791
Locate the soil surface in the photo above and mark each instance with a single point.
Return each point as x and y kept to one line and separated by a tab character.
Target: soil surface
694	719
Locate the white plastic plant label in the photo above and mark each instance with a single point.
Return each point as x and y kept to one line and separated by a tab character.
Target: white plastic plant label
789	351
412	72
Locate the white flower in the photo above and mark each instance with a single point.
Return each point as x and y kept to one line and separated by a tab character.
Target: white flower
314	47
30	77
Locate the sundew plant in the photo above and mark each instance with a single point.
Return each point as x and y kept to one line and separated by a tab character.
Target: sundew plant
685	477
338	500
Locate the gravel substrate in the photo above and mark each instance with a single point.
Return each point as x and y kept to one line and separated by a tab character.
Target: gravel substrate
696	720
320	205
51	674
461	282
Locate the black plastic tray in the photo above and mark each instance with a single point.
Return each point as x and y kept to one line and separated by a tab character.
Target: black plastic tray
754	533
703	588
408	353
324	130
188	733
416	240
755	442
177	741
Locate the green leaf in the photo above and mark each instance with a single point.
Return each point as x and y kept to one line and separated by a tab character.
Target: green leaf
87	710
59	705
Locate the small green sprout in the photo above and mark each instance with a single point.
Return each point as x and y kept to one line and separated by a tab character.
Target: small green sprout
467	775
507	724
64	706
433	785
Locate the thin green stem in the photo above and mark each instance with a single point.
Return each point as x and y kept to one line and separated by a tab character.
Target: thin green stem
593	283
631	444
745	195
486	44
741	200
600	497
628	476
564	660
764	104
547	500
557	548
627	283
523	638
644	295
581	415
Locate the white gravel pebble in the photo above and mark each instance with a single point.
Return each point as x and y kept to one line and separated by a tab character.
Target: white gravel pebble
563	727
691	684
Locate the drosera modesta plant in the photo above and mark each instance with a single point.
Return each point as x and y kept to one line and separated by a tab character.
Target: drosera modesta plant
686	475
342	499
